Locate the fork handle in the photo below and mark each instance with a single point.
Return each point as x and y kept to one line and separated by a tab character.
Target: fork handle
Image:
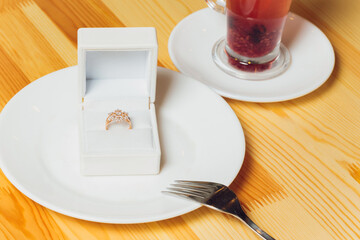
253	226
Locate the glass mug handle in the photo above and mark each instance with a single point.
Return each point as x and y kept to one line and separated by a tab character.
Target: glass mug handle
217	5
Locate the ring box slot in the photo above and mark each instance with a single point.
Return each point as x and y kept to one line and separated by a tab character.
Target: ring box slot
117	70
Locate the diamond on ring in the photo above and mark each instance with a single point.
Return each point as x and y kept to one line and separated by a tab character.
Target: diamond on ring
116	117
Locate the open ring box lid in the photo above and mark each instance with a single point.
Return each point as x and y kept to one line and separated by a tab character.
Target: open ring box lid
117	70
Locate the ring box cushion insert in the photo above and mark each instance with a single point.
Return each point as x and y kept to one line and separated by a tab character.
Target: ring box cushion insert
117	70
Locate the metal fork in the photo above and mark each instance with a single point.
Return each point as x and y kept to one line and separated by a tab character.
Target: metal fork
215	196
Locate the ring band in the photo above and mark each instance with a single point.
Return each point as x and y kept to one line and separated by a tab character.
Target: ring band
116	117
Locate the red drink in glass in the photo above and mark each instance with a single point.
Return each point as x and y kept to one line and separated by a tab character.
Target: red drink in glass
254	29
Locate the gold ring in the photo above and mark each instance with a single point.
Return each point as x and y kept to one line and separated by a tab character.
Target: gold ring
116	117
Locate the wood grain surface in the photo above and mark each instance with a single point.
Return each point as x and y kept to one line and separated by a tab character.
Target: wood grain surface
301	174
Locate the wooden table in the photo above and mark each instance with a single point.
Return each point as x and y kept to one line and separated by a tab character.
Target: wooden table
301	174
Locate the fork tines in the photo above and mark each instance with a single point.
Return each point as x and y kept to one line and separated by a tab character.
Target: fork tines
193	190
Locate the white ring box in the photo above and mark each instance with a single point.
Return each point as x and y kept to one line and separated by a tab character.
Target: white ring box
117	70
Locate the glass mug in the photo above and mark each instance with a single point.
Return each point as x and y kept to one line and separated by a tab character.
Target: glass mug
252	48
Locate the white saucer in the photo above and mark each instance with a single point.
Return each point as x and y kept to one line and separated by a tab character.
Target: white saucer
312	58
201	139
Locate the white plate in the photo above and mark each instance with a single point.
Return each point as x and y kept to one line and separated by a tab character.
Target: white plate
201	139
312	62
